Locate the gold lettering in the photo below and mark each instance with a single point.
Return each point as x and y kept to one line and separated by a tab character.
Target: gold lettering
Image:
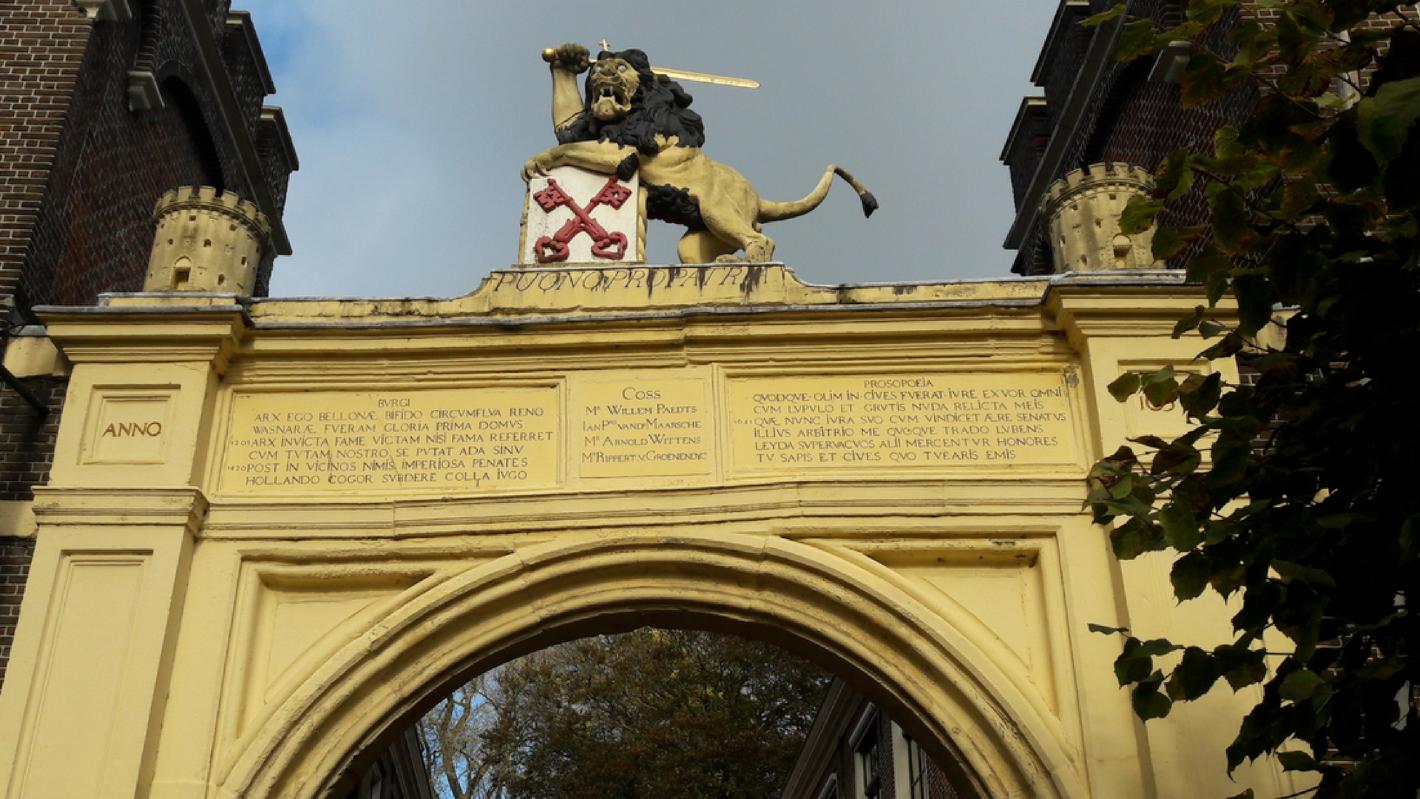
430	440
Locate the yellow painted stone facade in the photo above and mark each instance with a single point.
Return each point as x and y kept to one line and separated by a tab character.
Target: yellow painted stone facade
278	530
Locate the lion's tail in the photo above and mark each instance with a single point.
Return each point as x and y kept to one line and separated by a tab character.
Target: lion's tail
770	211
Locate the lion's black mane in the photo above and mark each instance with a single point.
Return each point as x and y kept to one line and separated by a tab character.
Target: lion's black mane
660	106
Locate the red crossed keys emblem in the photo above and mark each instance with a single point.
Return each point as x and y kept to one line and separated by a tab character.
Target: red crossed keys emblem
612	246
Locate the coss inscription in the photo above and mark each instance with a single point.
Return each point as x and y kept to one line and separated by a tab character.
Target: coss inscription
469	439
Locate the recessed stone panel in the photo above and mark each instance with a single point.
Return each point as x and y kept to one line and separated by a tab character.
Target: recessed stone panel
641	426
406	441
128	425
901	421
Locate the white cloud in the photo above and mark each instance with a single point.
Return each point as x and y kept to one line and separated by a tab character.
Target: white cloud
412	124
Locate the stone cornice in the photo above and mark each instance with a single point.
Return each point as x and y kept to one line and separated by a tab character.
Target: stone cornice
1107	306
146	335
104	507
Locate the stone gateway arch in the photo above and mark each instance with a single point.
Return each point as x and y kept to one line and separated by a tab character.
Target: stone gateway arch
276	530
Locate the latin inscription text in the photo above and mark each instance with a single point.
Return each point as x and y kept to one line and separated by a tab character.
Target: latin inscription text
455	439
645	428
900	421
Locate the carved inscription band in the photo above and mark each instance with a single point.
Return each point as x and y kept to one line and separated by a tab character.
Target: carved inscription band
509	438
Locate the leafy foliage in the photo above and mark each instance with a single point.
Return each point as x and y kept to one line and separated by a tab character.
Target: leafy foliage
650	713
1292	495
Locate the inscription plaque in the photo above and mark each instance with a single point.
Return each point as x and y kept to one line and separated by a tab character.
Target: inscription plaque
128	425
645	427
464	439
901	421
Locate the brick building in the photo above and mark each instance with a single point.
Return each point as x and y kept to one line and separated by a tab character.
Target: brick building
854	751
1093	109
104	105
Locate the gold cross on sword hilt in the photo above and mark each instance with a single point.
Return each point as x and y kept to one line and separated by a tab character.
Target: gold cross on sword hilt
683	74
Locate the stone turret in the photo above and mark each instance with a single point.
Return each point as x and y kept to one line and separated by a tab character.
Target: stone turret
206	241
1082	211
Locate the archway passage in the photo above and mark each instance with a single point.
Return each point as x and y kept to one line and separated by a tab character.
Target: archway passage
848	619
648	713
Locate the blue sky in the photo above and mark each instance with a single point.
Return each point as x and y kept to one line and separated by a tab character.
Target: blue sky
412	120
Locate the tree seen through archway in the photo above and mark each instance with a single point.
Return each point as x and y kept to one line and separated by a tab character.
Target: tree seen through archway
649	713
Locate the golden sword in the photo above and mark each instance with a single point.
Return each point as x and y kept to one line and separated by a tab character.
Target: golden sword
680	74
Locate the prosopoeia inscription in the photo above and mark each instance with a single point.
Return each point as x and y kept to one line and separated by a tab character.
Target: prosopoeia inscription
462	439
893	421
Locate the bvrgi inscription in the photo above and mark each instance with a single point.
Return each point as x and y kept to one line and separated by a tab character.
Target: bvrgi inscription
466	439
902	421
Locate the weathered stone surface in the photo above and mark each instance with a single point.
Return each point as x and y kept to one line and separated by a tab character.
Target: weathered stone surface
275	530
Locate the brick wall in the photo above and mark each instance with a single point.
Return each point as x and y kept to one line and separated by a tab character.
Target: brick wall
15	555
79	175
26	451
94	231
79	171
27	438
42	44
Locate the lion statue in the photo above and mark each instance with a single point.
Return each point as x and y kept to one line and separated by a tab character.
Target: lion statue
635	121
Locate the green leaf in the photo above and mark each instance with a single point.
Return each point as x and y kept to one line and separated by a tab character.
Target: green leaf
1158	646
1194	675
1148	702
1199	393
1180	526
1177	458
1189	575
1124	386
1170	241
1209	11
1243	668
1383	122
1410	539
1300	685
1306	574
1103	17
1135	39
1209	329
1123	487
1232	224
1160	387
1151	441
1256	297
1202	81
1132	665
1299	195
1189	322
1175	175
1138	214
1298	761
1100	628
1130	540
